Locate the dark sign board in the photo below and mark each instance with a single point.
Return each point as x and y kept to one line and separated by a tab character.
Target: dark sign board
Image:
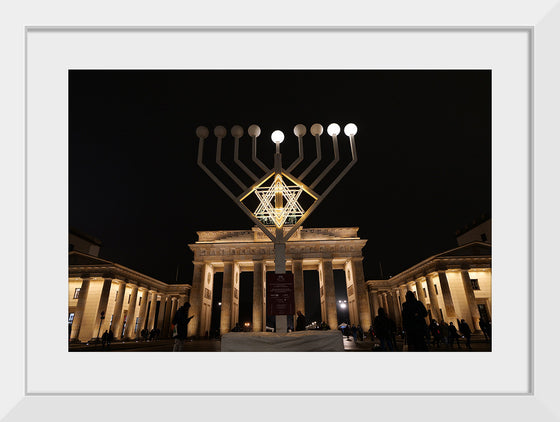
280	294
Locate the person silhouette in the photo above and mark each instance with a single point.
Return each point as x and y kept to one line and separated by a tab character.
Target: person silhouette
453	336
466	331
181	320
414	323
382	330
300	322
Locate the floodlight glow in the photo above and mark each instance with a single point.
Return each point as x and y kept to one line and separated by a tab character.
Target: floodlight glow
350	129
277	136
333	129
343	305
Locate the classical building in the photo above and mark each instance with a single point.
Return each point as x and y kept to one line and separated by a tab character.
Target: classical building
232	252
103	295
456	284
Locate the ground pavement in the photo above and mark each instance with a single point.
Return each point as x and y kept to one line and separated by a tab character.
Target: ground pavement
479	344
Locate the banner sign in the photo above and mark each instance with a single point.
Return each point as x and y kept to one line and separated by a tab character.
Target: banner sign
280	294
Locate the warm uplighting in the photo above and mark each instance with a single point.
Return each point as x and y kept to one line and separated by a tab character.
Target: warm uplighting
247	324
277	136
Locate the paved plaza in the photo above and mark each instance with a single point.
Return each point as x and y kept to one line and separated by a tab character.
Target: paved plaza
478	345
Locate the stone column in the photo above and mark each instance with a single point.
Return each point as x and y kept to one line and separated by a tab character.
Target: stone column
153	306
402	294
227	298
117	324
374	303
397	309
164	315
197	292
330	298
79	312
434	304
446	293
471	301
420	292
130	320
259	314
361	293
102	307
174	301
297	270
166	328
385	302
143	308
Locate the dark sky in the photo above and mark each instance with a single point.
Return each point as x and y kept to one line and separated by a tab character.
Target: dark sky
423	171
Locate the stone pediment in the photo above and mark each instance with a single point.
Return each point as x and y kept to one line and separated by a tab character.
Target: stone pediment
470	249
256	235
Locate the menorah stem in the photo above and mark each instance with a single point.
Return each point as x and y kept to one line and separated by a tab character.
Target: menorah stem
240	163
300	156
315	161
255	159
225	168
330	166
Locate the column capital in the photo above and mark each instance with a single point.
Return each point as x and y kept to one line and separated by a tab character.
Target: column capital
129	284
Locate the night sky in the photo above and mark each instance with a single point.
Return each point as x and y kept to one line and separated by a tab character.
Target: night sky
423	170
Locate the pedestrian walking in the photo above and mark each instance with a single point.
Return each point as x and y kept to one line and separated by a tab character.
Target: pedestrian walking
300	322
414	323
435	332
453	336
382	329
181	320
104	338
466	331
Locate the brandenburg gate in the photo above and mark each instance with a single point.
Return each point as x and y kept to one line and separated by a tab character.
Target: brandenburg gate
232	252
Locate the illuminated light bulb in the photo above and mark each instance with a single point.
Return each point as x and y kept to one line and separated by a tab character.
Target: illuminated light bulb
300	131
237	131
333	129
350	129
316	129
202	132
343	305
220	132
254	131
277	136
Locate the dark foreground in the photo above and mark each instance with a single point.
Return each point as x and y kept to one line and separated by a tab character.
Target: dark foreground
477	342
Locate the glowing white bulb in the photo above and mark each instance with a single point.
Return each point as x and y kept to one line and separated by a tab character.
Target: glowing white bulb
333	129
277	136
350	129
343	305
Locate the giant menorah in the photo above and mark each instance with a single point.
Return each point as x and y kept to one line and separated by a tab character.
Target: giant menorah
277	190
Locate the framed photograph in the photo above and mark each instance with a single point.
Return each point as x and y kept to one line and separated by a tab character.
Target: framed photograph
515	380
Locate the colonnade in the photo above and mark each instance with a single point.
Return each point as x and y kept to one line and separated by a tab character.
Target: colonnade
447	293
202	291
126	308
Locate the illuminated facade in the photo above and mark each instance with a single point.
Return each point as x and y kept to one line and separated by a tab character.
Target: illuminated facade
232	252
131	301
456	284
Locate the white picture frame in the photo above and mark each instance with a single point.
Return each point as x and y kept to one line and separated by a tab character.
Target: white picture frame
541	22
